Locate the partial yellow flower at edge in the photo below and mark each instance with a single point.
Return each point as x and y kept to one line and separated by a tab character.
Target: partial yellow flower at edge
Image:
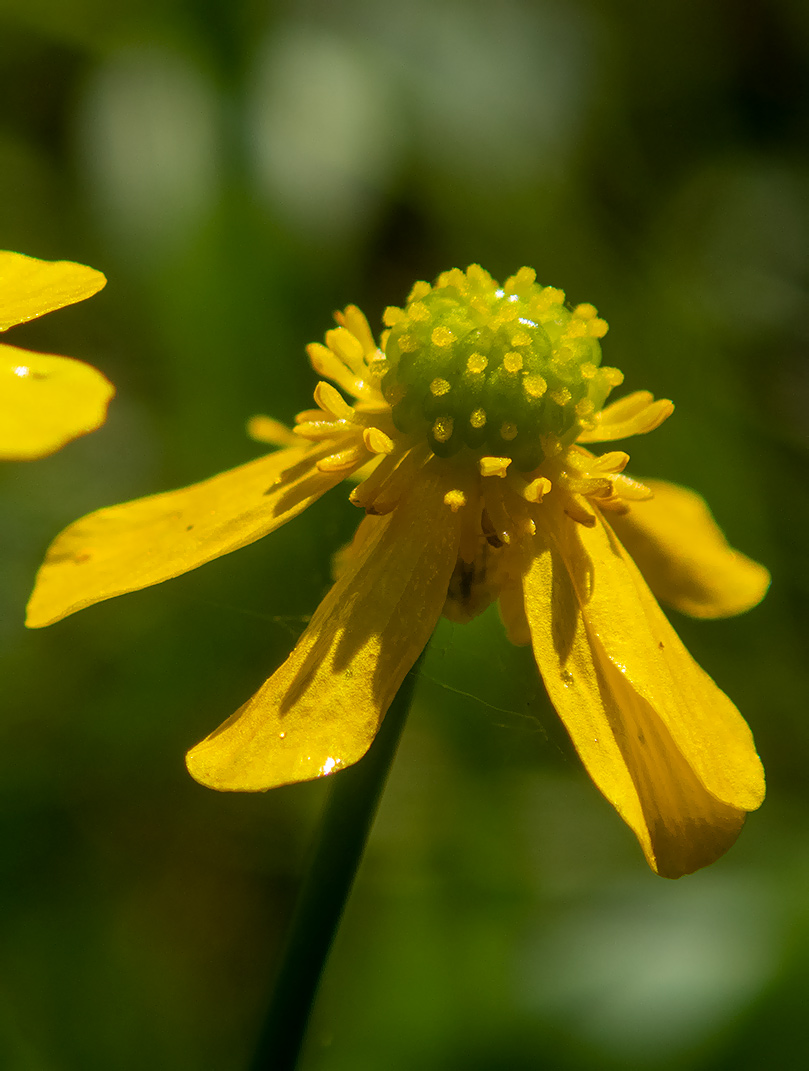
465	432
45	400
29	287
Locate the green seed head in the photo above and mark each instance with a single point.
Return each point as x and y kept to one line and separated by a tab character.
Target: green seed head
503	370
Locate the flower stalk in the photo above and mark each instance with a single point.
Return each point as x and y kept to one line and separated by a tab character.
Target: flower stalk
347	819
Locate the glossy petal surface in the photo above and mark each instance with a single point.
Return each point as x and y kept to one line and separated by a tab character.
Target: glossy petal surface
665	746
131	546
321	709
31	287
684	556
45	401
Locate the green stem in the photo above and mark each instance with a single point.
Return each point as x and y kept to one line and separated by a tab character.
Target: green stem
346	823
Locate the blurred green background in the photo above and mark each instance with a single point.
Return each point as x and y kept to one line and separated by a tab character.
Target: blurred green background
239	170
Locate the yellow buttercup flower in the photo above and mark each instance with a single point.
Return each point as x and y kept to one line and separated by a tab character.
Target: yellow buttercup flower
45	400
469	429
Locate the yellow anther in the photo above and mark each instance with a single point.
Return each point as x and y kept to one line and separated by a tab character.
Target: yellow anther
342	460
477	363
508	431
536	490
535	386
512	362
420	290
439	386
588	370
520	338
586	311
478	418
613	461
442	336
455	500
418	312
494	466
393	315
331	401
345	345
377	441
442	429
561	396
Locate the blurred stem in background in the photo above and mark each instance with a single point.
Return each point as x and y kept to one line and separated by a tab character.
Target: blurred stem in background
344	829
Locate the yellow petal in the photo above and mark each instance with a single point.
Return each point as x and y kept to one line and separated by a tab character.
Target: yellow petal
320	711
684	557
31	287
131	546
665	746
636	414
45	401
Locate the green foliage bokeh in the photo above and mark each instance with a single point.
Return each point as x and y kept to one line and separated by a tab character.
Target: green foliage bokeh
239	170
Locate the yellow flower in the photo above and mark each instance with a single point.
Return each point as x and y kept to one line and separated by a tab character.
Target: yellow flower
45	401
467	430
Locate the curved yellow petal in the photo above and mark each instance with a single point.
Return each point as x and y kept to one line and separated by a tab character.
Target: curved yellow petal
665	746
684	557
320	711
31	287
45	401
131	546
636	414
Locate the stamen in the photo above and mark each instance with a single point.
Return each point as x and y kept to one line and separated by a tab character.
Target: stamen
365	492
381	491
332	402
354	320
377	441
494	466
455	499
347	347
536	490
613	461
578	513
633	490
500	523
264	429
325	363
319	430
342	460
